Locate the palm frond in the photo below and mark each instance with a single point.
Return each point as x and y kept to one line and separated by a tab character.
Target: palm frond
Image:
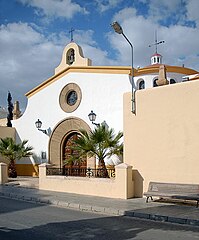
14	151
100	142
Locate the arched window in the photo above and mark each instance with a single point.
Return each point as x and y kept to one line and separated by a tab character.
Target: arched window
155	82
172	81
141	84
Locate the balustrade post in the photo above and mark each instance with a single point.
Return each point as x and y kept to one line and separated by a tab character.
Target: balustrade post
124	180
42	172
3	173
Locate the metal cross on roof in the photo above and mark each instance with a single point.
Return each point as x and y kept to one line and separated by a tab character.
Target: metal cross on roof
156	43
71	34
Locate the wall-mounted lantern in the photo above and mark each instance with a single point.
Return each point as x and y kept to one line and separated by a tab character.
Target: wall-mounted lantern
38	125
92	118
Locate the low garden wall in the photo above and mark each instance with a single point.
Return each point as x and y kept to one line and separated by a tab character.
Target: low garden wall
122	186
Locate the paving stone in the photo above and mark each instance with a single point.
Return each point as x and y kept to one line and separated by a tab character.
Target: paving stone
63	204
111	211
84	207
177	220
193	222
97	209
74	205
129	213
27	198
141	215
44	201
53	202
159	218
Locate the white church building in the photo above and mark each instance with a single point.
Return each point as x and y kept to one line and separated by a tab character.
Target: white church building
58	108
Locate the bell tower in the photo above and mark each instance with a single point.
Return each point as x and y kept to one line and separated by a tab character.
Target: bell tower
72	56
156	58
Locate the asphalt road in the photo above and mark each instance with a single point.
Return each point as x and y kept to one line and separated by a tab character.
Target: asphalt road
27	221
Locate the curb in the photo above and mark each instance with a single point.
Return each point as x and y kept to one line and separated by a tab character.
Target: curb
162	218
103	210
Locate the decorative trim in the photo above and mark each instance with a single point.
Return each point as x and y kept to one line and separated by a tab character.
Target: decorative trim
155	69
81	69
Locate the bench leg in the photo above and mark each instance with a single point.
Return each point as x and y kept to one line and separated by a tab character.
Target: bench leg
147	199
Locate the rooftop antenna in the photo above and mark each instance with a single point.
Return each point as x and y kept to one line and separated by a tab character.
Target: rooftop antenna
71	34
156	42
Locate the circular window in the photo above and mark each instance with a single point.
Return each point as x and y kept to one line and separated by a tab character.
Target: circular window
70	97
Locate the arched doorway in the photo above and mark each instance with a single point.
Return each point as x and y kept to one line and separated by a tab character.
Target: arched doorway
73	167
59	136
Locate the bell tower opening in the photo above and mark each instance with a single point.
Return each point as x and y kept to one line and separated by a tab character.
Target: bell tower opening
70	56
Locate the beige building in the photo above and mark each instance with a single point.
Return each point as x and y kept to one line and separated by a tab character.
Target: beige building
162	139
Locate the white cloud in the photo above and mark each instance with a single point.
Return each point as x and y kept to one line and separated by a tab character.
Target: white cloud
125	14
163	10
98	56
85	37
55	8
192	11
175	11
104	5
28	57
180	47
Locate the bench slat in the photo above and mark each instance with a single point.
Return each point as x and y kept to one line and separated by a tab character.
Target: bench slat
173	190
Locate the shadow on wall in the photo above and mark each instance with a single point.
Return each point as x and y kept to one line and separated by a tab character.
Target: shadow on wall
138	183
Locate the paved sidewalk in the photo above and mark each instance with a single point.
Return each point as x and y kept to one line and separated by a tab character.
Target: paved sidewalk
27	189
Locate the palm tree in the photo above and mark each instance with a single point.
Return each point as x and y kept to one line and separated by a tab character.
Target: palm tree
13	151
101	142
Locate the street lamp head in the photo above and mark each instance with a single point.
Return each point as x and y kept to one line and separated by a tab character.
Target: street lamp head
117	28
92	116
38	124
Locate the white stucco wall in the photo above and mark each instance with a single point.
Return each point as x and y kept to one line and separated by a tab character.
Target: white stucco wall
102	93
149	78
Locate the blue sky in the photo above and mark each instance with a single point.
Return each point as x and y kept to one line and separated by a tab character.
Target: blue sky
33	34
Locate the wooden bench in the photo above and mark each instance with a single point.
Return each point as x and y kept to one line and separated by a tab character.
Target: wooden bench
173	190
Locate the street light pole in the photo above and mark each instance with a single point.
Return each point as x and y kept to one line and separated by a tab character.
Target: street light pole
118	29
